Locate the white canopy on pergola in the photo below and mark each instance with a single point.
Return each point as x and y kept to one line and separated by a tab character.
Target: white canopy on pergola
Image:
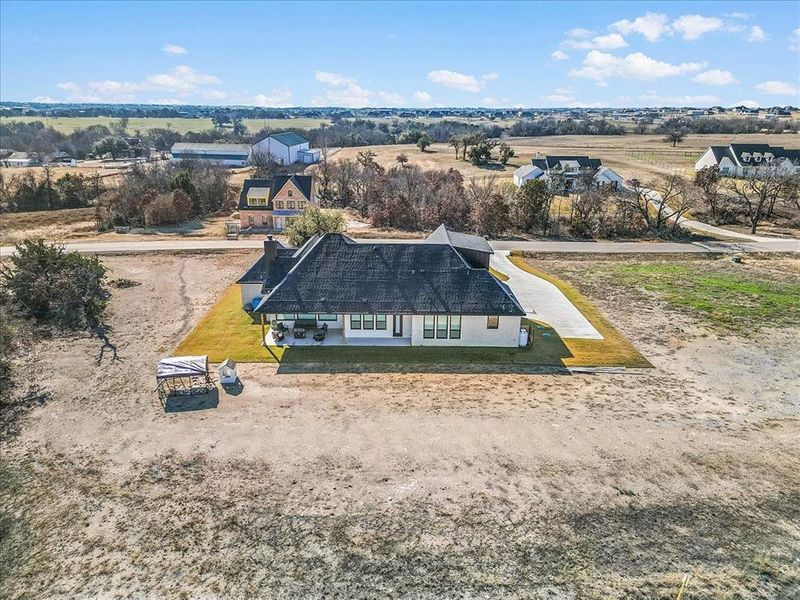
182	366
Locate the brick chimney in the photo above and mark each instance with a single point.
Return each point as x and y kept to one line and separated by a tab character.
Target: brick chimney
270	252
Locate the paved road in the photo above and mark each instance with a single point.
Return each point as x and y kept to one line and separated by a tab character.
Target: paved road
188	244
545	302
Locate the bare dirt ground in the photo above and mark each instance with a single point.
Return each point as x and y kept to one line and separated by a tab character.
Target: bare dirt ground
439	485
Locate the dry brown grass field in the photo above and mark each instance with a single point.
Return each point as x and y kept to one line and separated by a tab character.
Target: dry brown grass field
642	156
403	483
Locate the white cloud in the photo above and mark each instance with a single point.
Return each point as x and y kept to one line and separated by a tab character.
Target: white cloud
777	88
45	99
693	27
332	79
757	34
558	98
452	79
600	66
603	84
700	100
794	40
490	76
276	98
715	77
68	86
173	49
166	101
610	41
559	55
650	25
345	91
181	77
739	15
423	97
491	102
182	80
747	104
579	32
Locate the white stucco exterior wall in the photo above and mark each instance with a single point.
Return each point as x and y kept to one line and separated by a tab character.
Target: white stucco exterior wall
249	291
473	333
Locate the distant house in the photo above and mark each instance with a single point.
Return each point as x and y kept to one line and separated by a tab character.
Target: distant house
20	159
571	167
229	155
426	293
287	148
741	160
272	203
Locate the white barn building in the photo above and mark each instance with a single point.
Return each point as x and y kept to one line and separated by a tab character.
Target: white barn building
287	148
229	155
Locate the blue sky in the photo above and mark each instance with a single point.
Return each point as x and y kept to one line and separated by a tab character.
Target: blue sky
403	54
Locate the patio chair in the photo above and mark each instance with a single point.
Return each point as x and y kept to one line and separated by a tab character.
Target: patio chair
279	327
320	333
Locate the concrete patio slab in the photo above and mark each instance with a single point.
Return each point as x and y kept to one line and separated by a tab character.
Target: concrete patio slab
545	302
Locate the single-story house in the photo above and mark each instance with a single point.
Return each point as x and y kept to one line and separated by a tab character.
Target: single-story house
571	167
273	203
287	148
740	160
20	159
428	293
229	155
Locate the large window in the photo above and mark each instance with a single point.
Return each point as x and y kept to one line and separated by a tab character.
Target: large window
311	317
369	321
455	327
441	326
355	321
380	322
290	204
327	317
265	219
279	204
492	322
286	317
427	327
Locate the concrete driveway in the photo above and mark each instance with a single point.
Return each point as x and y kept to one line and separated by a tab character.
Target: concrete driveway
544	302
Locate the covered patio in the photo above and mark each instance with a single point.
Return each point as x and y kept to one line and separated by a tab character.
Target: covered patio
334	338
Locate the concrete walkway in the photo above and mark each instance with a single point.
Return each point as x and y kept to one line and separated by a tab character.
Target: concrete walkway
545	302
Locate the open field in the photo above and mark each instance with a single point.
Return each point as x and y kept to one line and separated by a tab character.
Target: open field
395	483
642	156
181	125
73	224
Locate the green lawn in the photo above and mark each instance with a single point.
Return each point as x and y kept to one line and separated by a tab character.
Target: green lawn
729	296
183	125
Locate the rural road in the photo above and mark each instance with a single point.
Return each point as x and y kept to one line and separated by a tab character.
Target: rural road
188	244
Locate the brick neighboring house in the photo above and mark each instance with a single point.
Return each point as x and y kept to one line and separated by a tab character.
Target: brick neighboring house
271	204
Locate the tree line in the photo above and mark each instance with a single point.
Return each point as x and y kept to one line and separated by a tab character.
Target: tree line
41	191
165	193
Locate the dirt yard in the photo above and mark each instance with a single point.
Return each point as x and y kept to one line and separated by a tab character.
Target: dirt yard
423	485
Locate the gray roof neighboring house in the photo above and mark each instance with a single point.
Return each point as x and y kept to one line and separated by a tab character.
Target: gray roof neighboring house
552	162
334	274
442	235
301	182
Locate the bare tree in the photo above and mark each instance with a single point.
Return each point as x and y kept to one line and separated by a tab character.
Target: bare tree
661	204
265	163
758	191
455	143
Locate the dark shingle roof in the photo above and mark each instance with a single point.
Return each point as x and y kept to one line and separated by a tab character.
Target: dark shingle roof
550	162
339	275
260	271
301	182
442	235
